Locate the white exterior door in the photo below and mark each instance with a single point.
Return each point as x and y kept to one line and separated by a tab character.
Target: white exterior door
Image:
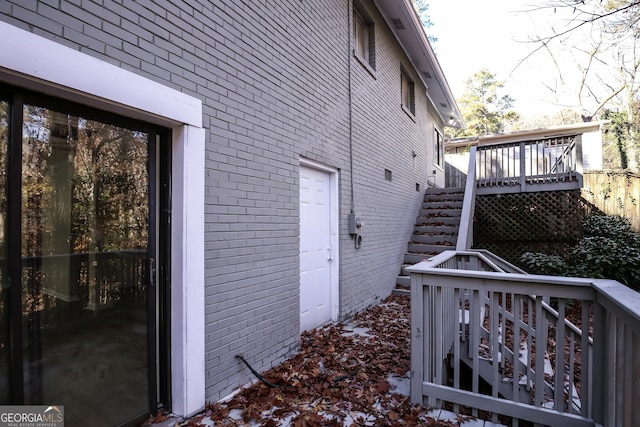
317	255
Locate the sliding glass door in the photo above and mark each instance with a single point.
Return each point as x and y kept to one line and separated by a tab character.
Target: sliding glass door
80	297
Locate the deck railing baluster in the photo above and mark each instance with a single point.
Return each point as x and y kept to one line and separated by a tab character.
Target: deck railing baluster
460	328
535	165
559	355
572	379
586	359
496	353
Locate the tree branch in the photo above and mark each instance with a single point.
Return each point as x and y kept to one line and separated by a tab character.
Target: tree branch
543	41
594	17
607	99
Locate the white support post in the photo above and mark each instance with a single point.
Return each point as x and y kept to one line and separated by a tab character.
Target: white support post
187	271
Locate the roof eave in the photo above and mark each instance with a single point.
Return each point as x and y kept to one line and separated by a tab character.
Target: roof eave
418	49
529	134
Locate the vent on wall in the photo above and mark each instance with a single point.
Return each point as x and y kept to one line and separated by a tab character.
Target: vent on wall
387	174
426	74
443	105
397	22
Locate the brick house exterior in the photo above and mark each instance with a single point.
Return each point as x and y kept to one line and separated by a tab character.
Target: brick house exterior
252	93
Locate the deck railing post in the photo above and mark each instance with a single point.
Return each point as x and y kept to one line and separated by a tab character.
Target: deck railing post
523	166
599	383
418	361
578	164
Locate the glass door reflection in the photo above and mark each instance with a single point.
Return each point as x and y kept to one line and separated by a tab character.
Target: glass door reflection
85	252
4	283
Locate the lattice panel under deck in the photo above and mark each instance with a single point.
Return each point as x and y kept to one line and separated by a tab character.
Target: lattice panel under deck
511	224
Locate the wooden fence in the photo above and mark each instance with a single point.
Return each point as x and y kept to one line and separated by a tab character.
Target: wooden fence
614	193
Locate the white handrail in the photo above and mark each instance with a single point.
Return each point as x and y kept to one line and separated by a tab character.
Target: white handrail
465	231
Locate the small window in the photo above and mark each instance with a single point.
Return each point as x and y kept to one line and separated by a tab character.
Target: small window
363	36
439	148
387	174
408	94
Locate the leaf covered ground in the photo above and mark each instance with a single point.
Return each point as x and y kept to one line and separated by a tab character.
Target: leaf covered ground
352	374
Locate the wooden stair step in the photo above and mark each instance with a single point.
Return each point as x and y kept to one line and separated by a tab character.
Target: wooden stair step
444	204
435	229
415	258
437	213
434	238
428	248
441	220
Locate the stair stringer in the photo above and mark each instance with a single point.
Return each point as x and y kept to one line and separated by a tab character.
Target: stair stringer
505	388
485	371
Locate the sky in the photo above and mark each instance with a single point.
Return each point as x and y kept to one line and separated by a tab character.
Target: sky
492	34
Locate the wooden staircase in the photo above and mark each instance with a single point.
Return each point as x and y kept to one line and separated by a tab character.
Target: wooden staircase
435	231
485	343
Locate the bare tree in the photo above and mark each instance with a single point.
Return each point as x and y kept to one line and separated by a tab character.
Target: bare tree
597	42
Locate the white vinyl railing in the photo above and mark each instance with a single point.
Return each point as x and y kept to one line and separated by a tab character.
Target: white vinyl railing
549	350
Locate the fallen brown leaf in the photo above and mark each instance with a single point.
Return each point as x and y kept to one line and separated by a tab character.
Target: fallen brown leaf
336	378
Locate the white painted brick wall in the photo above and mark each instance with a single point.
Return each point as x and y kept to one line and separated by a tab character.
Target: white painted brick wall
273	78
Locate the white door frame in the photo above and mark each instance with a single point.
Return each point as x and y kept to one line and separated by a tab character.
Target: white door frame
335	233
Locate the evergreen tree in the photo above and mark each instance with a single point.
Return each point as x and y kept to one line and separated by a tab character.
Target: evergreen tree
422	8
484	108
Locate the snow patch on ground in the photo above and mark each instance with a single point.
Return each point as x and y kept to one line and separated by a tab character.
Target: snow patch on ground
400	385
457	420
353	330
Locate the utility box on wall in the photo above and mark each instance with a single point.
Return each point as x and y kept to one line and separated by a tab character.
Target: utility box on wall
355	223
